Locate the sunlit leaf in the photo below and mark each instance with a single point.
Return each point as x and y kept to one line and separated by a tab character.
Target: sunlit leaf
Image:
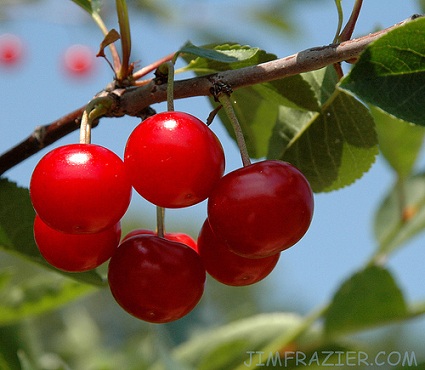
16	229
391	73
401	215
221	57
334	146
400	142
369	298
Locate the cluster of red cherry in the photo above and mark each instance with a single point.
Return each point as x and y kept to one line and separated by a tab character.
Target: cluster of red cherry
81	191
77	60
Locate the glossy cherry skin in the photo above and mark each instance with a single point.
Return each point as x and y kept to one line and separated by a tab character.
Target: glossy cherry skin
261	209
174	160
80	188
155	279
176	237
228	267
75	252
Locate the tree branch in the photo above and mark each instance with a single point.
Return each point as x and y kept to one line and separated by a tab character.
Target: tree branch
136	101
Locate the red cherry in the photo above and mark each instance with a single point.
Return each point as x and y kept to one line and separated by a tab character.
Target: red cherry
176	237
174	160
228	267
75	252
80	188
261	209
155	279
11	49
79	60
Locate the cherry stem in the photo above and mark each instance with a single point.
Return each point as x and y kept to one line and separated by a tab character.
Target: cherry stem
225	101
94	109
160	217
85	128
170	85
160	211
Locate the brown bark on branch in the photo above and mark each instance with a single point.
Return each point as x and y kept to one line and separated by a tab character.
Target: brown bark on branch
135	101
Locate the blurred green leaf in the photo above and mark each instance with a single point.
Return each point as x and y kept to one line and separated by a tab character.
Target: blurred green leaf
391	73
16	230
275	20
400	142
401	215
25	362
223	347
38	295
333	146
421	4
369	298
153	8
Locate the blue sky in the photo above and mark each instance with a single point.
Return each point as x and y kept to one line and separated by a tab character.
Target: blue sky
340	238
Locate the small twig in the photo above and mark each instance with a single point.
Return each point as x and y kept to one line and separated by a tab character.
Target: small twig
151	67
348	30
212	114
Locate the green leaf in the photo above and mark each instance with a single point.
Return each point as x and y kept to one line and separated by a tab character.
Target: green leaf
38	295
24	361
16	230
85	4
401	215
369	298
391	73
400	142
333	146
229	345
90	6
221	57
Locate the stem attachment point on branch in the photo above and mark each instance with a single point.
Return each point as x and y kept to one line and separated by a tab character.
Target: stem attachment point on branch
94	110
